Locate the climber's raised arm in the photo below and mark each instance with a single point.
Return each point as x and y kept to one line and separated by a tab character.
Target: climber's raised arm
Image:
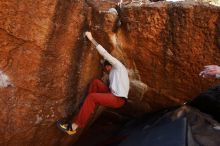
112	60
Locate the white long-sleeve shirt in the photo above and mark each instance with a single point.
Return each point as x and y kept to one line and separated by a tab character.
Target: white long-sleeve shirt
118	76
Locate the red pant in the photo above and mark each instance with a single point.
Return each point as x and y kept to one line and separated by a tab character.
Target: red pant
99	94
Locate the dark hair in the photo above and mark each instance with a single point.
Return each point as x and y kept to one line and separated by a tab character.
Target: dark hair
106	63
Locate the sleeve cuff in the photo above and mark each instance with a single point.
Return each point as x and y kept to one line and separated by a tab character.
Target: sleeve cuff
217	76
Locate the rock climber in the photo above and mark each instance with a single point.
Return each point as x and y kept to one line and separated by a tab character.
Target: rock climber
114	95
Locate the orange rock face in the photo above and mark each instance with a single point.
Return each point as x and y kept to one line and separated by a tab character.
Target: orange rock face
171	44
49	63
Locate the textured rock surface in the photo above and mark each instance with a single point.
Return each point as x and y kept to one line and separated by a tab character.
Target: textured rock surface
39	51
171	42
49	63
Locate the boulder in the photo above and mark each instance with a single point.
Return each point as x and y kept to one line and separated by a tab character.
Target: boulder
49	63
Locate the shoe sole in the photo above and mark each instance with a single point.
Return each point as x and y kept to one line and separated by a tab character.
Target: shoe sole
59	126
59	123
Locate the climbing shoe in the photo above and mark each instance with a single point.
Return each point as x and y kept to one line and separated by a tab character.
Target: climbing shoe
66	127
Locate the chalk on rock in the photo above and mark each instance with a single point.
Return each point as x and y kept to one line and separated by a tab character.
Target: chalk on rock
4	80
113	11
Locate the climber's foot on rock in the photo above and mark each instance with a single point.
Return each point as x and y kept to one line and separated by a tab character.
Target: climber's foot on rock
66	127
